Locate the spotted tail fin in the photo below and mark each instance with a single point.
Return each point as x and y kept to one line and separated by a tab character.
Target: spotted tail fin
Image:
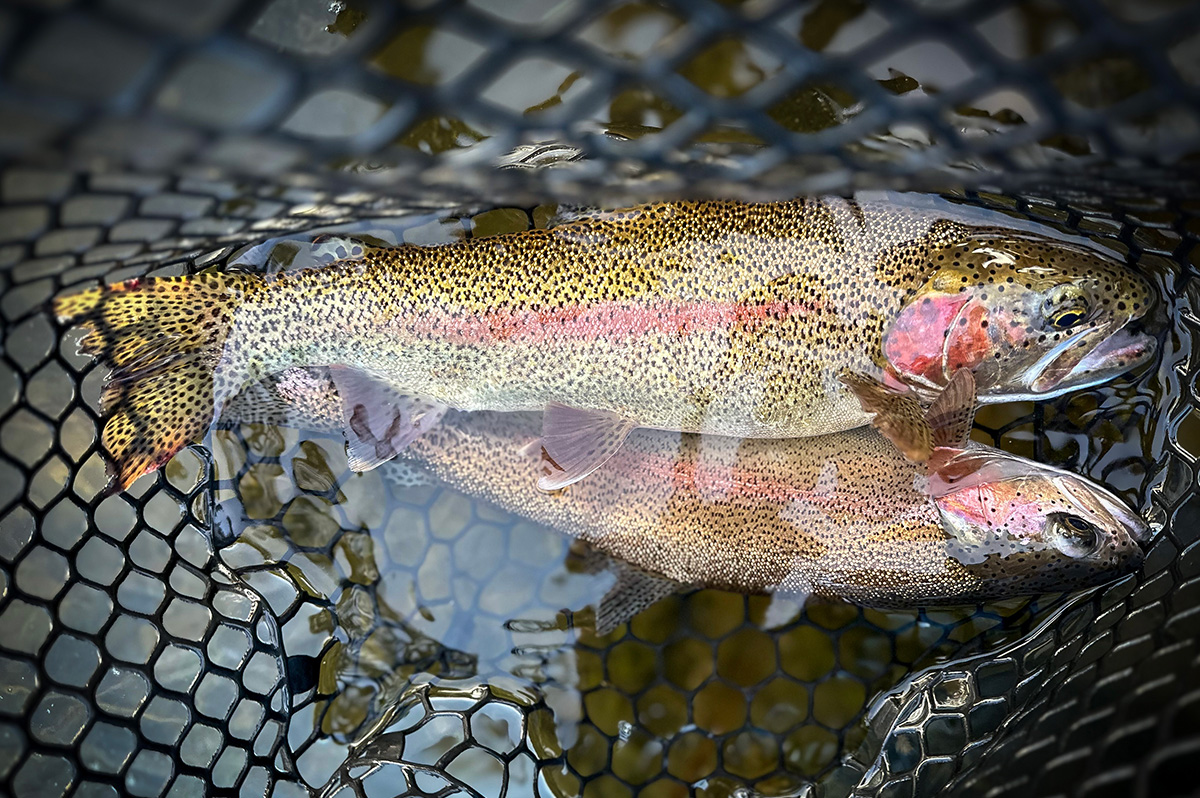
162	338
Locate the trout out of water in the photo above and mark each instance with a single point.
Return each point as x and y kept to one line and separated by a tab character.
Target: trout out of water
840	515
716	317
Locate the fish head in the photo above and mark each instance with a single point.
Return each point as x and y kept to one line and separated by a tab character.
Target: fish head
1032	317
1020	528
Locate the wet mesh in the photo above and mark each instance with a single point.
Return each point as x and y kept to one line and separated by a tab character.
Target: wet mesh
260	622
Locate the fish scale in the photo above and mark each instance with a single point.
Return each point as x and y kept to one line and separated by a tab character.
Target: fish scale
663	326
844	515
718	317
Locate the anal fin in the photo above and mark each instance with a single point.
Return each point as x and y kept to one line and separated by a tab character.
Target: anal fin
378	421
576	442
633	591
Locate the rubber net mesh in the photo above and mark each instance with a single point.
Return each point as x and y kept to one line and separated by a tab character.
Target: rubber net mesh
255	620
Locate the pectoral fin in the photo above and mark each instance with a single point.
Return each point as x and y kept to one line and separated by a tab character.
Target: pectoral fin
953	411
378	421
899	416
915	431
577	442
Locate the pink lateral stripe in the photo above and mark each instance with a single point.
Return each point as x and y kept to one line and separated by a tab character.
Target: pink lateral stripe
731	482
612	321
734	483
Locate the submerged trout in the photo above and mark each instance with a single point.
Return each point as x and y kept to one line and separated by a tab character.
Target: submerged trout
842	515
716	317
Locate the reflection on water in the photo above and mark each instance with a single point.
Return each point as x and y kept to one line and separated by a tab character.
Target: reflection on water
393	596
433	637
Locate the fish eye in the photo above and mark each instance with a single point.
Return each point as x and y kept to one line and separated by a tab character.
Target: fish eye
1066	319
1066	308
1074	536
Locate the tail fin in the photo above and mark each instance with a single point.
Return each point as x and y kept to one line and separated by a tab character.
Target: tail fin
162	337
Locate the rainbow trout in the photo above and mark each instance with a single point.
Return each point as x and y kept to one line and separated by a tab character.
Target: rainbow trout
716	317
842	515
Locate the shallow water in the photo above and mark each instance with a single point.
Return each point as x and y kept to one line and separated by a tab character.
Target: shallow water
406	612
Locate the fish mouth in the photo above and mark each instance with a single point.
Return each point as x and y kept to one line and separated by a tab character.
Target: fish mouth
1139	529
1066	369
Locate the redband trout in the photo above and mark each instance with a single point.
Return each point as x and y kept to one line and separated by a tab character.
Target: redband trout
715	317
842	515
